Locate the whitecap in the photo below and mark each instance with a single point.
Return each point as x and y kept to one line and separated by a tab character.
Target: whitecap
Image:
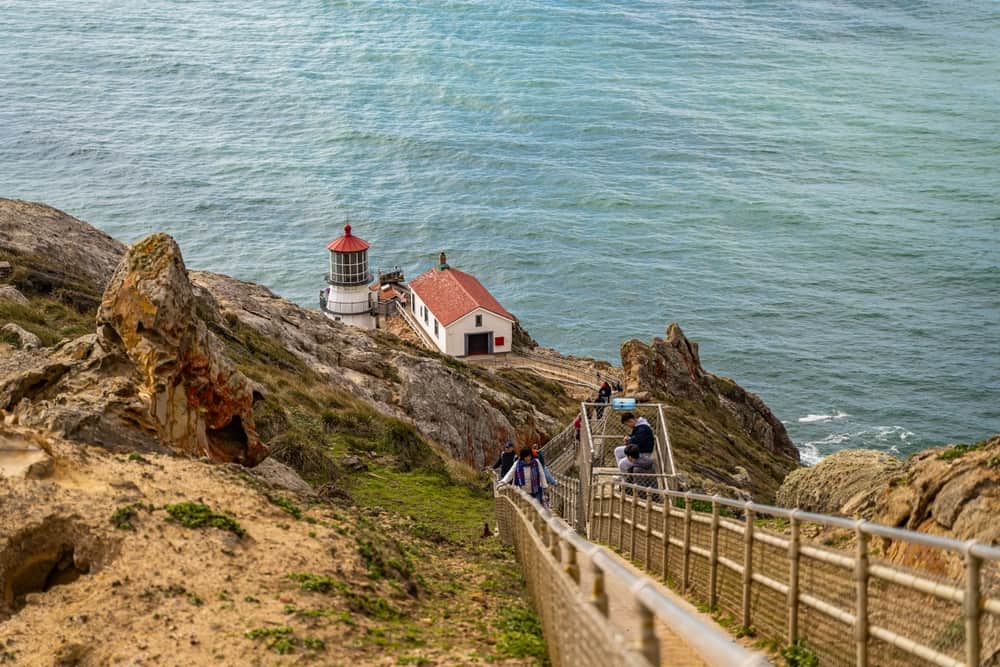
809	454
812	419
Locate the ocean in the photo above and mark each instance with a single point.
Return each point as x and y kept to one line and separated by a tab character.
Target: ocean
811	189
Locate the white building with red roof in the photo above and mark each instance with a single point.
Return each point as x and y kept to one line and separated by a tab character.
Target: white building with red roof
459	314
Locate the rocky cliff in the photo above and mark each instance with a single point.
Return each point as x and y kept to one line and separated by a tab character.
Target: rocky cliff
952	491
466	411
716	426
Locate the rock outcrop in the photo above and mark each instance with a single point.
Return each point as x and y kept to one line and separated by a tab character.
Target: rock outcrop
446	400
848	482
950	491
201	404
714	423
152	379
25	339
55	254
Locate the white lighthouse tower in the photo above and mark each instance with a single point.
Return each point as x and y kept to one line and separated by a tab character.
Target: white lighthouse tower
347	297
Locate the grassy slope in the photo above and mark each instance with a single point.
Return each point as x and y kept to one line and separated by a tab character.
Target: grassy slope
420	519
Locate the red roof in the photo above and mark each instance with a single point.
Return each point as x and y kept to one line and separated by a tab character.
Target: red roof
385	292
451	294
347	243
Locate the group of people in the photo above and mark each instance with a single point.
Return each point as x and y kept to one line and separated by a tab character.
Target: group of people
526	468
604	396
635	455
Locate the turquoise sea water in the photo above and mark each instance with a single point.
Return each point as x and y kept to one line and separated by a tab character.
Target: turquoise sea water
811	189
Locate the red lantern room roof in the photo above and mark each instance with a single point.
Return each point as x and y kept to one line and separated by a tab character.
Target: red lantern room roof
347	243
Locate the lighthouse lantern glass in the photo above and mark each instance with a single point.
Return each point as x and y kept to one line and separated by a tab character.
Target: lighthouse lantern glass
351	267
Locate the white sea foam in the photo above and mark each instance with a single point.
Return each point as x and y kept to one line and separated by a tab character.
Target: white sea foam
809	454
812	419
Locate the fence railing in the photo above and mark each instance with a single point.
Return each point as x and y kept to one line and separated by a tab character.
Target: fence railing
766	569
594	609
560	450
411	320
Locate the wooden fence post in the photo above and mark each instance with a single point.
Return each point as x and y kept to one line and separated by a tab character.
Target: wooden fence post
747	563
861	610
687	545
794	558
713	557
971	606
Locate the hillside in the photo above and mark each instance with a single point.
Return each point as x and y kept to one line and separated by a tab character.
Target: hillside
336	471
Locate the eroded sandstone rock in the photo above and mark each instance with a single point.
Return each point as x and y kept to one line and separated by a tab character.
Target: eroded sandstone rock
202	405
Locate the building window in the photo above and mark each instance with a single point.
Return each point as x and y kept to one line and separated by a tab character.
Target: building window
498	341
435	326
479	320
425	314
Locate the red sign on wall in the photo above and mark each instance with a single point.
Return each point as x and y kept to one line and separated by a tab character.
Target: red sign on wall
498	341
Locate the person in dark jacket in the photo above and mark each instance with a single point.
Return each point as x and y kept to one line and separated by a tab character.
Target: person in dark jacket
641	437
505	460
642	433
603	396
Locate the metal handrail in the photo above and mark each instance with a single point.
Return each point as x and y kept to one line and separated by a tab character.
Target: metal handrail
636	526
561	549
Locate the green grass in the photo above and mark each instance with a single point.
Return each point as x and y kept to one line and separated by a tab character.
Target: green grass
287	505
47	318
800	654
520	635
122	517
197	515
317	583
958	451
455	512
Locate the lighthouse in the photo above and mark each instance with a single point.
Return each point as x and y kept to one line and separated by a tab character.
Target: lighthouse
347	298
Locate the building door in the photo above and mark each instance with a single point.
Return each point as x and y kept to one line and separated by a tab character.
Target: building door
478	343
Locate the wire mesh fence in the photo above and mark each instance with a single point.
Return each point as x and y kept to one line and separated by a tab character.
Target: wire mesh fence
595	610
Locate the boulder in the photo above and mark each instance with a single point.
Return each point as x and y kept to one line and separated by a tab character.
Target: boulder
26	340
202	405
715	425
847	482
11	294
952	491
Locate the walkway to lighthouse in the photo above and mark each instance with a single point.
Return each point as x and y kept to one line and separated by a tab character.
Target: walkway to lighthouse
604	567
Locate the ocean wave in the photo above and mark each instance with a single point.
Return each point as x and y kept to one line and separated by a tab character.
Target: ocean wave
883	438
813	419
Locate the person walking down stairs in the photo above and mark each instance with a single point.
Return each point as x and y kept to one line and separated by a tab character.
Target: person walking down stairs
527	473
505	460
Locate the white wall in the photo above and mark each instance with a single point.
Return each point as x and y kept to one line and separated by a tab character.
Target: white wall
501	328
429	325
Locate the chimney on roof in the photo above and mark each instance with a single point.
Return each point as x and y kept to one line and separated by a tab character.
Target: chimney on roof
442	262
